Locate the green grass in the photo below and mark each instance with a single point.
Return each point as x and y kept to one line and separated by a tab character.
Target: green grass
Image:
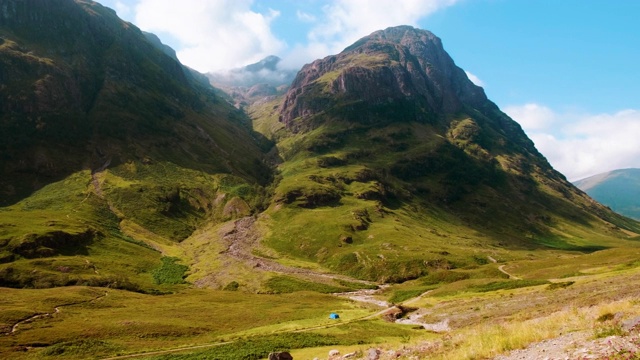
170	272
132	322
444	277
288	284
402	295
259	347
507	285
65	234
78	348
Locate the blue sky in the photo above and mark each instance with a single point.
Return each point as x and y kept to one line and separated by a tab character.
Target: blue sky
566	70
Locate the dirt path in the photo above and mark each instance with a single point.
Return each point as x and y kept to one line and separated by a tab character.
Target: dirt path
366	296
512	277
56	310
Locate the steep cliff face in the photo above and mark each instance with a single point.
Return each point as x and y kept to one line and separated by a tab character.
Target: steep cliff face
83	89
400	63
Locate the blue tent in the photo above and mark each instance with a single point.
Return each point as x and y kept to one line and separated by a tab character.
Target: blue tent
334	316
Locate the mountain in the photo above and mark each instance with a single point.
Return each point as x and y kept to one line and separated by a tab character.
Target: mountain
617	189
254	82
102	132
138	203
394	164
122	168
82	103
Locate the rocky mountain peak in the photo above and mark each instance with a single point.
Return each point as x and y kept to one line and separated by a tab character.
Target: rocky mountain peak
398	63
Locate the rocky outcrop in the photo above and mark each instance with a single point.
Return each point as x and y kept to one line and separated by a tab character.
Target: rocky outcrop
400	64
52	243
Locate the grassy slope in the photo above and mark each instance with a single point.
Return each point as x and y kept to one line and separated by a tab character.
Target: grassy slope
124	322
373	202
134	323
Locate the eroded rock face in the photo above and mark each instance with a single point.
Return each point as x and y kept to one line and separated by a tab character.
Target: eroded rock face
400	64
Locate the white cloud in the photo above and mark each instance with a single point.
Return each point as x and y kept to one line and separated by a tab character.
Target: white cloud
305	17
585	145
474	79
531	116
214	34
342	22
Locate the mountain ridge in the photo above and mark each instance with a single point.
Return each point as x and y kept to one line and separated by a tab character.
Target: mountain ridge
618	189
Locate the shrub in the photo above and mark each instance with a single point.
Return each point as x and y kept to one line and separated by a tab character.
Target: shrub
170	272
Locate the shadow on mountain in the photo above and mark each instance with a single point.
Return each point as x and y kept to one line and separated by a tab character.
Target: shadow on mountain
91	91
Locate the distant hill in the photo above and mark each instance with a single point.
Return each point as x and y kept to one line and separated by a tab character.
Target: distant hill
618	189
255	82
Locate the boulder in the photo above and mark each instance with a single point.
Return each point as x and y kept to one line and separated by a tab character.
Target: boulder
373	354
280	356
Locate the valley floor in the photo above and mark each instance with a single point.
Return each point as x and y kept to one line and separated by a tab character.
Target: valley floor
592	316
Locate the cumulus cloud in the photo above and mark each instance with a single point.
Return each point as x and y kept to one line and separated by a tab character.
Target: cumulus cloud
474	79
213	35
342	22
582	145
532	117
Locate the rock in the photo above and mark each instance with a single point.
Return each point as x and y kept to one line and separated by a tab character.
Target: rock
373	354
392	314
334	353
280	356
350	355
631	324
346	239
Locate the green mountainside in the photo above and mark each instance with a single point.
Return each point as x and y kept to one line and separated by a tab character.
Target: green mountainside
99	127
142	209
395	165
618	189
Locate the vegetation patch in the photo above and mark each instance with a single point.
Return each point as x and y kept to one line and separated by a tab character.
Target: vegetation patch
288	284
444	277
170	272
80	348
259	347
507	285
560	285
402	295
355	285
232	286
